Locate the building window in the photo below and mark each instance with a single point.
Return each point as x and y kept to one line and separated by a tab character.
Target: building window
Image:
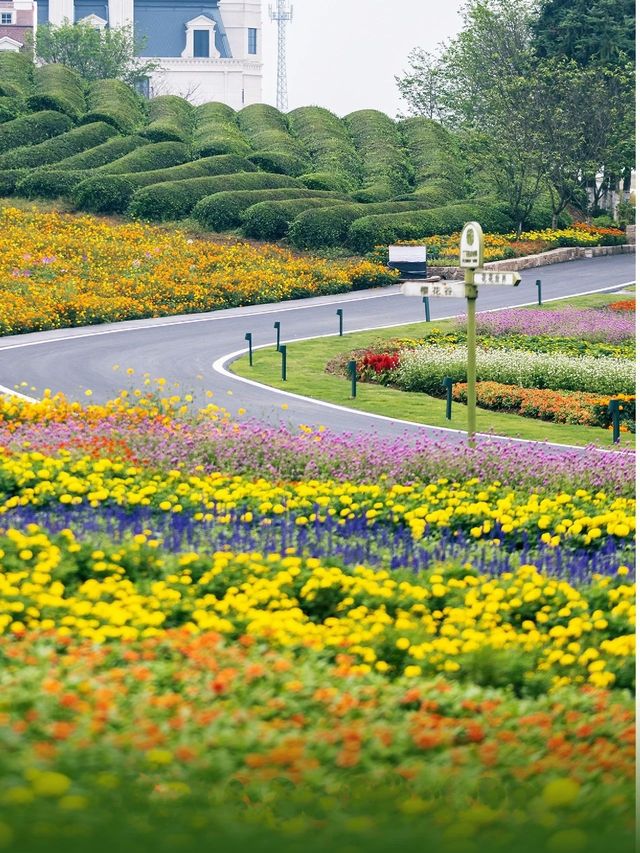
142	87
6	18
201	43
253	40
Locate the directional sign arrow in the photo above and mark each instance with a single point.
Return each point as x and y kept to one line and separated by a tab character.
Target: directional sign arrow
511	278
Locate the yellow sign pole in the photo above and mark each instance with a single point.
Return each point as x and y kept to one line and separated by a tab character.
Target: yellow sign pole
471	257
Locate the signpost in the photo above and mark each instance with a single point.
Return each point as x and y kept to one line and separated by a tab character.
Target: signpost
471	261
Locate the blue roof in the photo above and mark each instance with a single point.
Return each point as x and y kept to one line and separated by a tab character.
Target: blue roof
162	24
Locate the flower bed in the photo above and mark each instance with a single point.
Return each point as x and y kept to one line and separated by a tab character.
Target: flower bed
588	324
221	630
61	270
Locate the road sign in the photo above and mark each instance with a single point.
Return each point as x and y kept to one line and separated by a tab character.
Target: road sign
485	277
455	289
471	246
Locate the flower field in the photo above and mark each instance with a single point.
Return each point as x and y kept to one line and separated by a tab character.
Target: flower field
60	270
222	632
563	365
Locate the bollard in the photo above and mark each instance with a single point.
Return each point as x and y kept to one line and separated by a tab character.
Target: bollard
249	337
276	326
339	312
614	411
353	373
283	351
427	309
447	383
539	286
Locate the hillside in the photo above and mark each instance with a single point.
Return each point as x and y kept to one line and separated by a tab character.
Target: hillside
308	176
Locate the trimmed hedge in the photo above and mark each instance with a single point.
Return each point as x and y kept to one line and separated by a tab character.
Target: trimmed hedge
119	194
328	143
387	170
102	193
225	210
267	131
157	155
177	199
386	229
171	119
109	151
116	103
9	108
16	74
315	229
57	87
433	153
328	181
9	179
45	183
33	129
58	148
217	132
270	220
280	162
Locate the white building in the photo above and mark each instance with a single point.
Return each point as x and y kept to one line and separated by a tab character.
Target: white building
208	51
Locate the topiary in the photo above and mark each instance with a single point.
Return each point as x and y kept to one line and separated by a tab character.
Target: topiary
45	183
58	148
102	194
270	220
157	155
225	210
32	129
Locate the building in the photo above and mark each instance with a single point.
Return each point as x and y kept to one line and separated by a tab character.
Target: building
17	23
207	51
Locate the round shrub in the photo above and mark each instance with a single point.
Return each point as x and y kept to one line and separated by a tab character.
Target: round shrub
280	163
177	199
158	155
57	87
386	229
225	210
58	148
107	152
270	220
387	171
433	153
216	131
170	120
45	183
102	193
9	179
326	181
328	144
16	74
32	129
9	108
116	103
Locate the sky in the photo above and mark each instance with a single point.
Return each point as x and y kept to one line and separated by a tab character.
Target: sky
344	54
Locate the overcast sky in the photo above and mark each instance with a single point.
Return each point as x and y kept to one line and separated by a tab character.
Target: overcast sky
343	54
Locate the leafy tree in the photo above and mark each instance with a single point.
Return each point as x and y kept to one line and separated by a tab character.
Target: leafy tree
95	54
587	31
423	87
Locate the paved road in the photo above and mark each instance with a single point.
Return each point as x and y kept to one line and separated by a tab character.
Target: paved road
185	349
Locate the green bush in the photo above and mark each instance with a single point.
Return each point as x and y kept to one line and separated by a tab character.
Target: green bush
9	178
107	152
386	229
316	229
46	183
57	87
221	165
9	108
328	181
158	155
177	199
116	103
102	194
217	132
542	214
58	148
280	163
170	120
33	129
270	220
16	74
225	210
327	142
387	171
434	155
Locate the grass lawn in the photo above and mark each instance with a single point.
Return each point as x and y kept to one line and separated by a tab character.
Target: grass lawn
306	375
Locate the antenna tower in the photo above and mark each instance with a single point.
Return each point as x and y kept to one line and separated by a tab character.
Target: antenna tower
282	14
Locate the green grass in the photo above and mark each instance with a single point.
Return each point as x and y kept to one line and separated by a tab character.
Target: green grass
306	362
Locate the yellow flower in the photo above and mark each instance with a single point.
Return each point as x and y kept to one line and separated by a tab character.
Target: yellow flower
560	792
49	783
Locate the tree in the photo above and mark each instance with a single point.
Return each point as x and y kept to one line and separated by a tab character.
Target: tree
424	86
95	54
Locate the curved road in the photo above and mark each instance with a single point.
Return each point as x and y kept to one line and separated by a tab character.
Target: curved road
193	349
